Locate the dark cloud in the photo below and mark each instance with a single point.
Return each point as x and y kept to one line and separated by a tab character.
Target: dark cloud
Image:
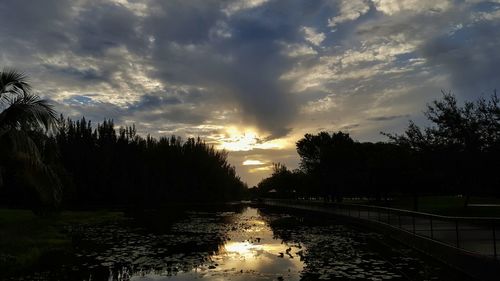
194	66
80	106
184	22
100	26
165	112
470	56
244	65
168	108
175	115
349	127
149	101
34	26
388	117
88	74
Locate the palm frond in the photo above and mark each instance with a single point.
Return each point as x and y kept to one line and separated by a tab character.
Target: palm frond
42	179
13	82
20	153
28	109
17	143
17	150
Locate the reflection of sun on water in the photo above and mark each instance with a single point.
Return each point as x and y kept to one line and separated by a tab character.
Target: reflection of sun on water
243	249
252	249
250	253
249	248
257	226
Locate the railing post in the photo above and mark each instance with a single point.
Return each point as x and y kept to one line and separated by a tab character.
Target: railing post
413	222
432	230
456	230
494	243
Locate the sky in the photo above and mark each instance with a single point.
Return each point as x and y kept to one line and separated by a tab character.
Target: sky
253	76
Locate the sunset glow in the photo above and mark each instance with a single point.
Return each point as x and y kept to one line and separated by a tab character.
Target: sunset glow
250	162
253	76
178	140
237	139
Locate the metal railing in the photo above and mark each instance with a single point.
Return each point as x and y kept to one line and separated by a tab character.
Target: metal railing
477	235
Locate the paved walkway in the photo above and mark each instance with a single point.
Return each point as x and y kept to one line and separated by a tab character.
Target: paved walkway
475	235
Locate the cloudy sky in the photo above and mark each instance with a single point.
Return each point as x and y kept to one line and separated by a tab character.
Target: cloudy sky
253	76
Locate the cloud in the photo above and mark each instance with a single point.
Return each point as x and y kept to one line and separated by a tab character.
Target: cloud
273	69
470	56
299	50
391	7
264	169
34	26
250	162
242	69
252	173
349	10
79	106
313	36
87	74
242	5
388	117
111	26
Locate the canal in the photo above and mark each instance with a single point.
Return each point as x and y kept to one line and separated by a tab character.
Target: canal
235	242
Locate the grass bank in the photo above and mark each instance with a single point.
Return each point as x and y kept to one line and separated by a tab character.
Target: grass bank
26	238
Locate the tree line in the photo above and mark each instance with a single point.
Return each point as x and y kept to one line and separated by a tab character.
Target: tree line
48	162
457	154
109	166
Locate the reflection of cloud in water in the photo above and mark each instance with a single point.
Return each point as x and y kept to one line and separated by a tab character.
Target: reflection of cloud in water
252	249
250	253
259	257
243	249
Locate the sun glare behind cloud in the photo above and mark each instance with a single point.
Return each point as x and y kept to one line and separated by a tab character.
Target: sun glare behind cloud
251	162
264	169
247	139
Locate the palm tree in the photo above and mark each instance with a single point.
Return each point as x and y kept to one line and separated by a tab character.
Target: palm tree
23	113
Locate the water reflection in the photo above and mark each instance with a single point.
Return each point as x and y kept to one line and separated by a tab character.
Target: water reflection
251	252
235	244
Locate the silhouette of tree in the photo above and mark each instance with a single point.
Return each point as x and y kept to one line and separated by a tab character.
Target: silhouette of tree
282	182
110	166
457	152
24	117
323	156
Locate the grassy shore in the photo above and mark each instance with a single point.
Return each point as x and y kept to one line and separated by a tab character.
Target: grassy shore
25	237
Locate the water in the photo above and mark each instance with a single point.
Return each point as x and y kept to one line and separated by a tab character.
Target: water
237	243
250	252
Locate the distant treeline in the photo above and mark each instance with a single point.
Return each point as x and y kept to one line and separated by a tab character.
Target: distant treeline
46	163
101	166
459	154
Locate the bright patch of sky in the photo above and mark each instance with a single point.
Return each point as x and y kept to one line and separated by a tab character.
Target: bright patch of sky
251	162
